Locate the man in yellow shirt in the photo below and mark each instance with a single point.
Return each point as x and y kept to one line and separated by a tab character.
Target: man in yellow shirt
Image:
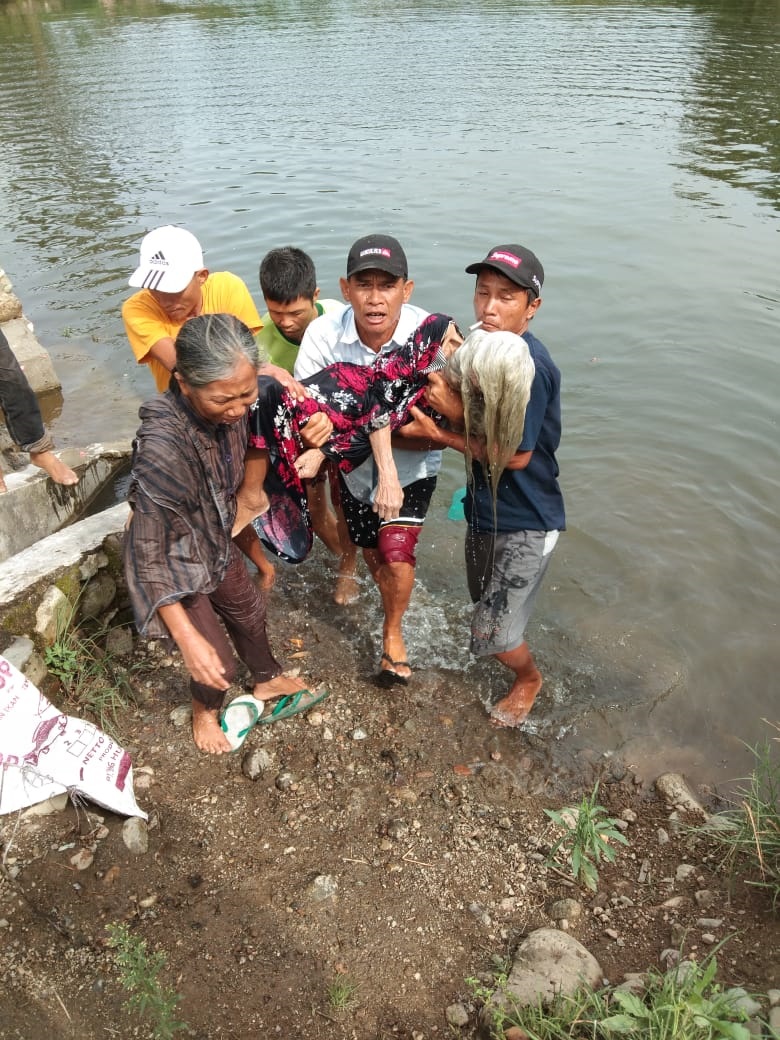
174	286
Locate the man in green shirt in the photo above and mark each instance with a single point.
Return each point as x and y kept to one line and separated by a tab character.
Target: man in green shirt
288	282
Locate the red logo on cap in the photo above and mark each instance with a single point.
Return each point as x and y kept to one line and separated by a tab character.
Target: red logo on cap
375	251
506	258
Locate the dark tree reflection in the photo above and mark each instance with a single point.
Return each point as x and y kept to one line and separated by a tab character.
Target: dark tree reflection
731	127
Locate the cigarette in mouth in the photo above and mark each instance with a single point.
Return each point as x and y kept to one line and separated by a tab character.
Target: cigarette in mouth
476	325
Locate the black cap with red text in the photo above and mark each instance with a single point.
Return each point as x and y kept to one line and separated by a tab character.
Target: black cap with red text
519	265
377	253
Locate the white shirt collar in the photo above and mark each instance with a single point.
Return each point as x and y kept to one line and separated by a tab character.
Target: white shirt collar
411	317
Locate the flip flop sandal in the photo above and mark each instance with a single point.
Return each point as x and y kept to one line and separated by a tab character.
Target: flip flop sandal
388	677
293	704
238	718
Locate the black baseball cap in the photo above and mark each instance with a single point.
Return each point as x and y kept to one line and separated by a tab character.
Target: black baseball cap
377	253
519	265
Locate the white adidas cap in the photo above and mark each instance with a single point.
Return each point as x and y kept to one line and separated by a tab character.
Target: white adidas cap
170	256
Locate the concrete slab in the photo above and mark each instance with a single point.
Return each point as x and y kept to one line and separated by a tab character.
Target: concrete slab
63	549
33	358
34	506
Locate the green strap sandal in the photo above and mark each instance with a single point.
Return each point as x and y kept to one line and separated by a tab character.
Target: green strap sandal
294	704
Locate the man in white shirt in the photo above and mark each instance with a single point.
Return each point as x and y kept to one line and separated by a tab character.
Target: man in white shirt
379	319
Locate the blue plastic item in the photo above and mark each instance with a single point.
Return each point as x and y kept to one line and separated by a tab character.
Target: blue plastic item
455	511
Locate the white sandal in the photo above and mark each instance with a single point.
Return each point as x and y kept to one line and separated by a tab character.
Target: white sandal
238	718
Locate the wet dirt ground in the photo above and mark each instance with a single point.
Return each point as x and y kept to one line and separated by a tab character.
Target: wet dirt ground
391	845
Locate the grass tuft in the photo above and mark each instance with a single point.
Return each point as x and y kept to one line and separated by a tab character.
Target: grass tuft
342	994
90	678
749	832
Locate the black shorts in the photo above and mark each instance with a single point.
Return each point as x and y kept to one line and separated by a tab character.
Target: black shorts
363	523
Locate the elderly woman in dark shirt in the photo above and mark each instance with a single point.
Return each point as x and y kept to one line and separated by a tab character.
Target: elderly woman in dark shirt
183	569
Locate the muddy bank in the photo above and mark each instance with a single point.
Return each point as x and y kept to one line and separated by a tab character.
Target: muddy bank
392	841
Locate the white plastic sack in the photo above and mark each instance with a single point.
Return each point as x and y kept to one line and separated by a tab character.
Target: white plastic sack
45	753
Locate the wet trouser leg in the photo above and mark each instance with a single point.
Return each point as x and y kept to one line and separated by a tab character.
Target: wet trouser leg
20	405
241	608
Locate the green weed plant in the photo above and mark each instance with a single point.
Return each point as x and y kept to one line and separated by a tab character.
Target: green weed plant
590	836
139	972
685	1003
62	660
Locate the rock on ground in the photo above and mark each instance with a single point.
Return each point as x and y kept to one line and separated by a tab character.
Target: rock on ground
547	963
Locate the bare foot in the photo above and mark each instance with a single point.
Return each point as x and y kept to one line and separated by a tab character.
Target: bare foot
308	463
280	686
247	510
54	467
347	589
394	657
513	709
2	484
206	730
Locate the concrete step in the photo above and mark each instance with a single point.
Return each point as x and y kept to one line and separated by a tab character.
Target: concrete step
34	507
22	572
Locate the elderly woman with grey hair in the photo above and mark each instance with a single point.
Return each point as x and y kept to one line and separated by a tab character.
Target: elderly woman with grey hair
183	569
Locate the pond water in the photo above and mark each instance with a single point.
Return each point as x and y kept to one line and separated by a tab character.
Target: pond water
634	146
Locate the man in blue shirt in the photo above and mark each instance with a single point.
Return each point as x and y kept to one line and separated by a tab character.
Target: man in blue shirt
509	540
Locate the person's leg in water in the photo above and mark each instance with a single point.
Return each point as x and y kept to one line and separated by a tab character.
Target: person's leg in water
505	572
514	708
54	467
252	501
323	519
395	581
389	551
249	544
328	524
387	501
347	589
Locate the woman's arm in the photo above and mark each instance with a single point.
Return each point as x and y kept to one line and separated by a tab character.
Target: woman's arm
389	495
316	430
444	399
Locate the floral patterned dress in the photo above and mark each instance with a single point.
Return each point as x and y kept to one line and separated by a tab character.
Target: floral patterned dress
358	399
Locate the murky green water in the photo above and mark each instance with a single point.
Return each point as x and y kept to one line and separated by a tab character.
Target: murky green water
635	147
